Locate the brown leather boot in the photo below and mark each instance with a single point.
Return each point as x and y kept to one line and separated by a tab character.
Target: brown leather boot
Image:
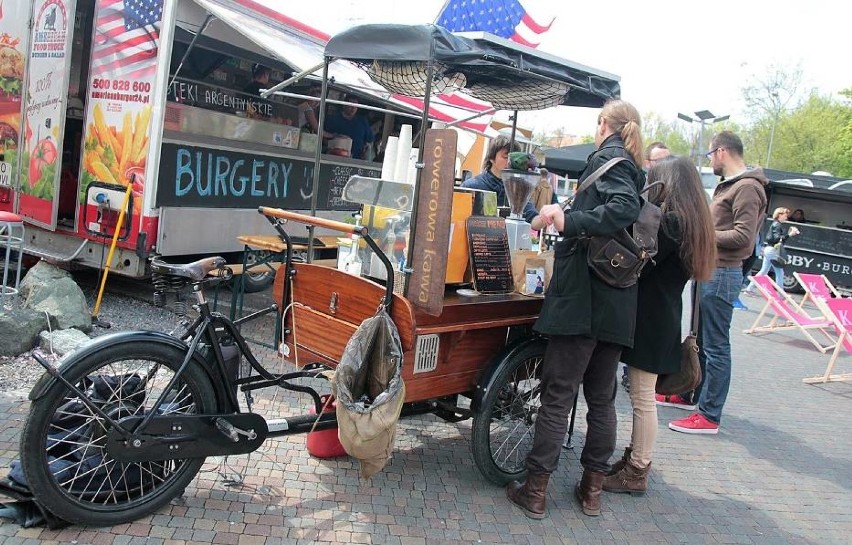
530	495
616	467
630	479
588	491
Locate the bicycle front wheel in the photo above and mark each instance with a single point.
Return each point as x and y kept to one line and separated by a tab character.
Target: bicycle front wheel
63	444
503	428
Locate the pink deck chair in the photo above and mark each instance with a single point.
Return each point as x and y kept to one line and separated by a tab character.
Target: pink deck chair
841	311
787	315
816	286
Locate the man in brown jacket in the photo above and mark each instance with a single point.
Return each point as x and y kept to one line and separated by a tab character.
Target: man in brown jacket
738	208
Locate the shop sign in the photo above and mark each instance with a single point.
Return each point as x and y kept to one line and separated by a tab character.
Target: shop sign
44	108
125	59
208	177
432	222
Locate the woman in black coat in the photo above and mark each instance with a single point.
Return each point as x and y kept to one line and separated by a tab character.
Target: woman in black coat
686	249
588	322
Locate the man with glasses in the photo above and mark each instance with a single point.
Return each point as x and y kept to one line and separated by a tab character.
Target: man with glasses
738	208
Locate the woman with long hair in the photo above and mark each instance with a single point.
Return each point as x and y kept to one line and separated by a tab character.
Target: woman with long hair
687	249
588	322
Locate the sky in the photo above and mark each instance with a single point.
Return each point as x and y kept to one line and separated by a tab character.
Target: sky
672	56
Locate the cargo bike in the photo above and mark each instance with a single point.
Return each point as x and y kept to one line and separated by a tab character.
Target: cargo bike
124	424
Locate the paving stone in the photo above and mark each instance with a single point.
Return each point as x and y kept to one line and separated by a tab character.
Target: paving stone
778	472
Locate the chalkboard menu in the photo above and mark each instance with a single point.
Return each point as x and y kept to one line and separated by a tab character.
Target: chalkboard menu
489	254
209	177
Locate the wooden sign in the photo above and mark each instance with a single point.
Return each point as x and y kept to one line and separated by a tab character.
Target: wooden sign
428	256
490	259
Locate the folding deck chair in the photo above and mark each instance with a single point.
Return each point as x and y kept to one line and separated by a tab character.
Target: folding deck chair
787	314
816	286
841	312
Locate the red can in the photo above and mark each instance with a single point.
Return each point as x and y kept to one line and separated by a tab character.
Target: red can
325	443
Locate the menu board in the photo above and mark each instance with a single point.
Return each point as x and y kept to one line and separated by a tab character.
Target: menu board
490	260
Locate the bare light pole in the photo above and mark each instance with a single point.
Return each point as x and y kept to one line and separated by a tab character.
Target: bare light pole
772	132
704	117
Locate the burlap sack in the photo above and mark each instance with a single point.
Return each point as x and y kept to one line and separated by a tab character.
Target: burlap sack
370	392
370	436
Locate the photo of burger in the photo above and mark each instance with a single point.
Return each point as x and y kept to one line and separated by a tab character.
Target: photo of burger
11	74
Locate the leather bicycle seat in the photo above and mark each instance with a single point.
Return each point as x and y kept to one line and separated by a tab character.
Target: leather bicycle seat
195	271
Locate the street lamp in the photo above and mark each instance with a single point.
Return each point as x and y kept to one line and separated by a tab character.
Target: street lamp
704	117
772	133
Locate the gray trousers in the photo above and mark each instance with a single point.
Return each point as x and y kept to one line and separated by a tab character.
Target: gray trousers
568	361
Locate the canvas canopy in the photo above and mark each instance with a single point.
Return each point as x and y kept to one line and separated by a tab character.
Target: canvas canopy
508	75
568	160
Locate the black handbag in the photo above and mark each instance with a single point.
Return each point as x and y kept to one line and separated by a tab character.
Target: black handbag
689	376
780	258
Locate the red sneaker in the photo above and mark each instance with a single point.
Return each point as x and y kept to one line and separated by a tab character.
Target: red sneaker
673	401
695	423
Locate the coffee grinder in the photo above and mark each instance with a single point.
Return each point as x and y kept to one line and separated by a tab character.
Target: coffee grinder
519	185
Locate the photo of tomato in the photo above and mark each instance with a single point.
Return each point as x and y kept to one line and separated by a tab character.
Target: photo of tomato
44	155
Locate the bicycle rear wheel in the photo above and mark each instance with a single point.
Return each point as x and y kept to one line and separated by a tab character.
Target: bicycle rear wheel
63	442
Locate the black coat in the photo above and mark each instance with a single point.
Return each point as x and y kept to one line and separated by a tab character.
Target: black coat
656	346
576	302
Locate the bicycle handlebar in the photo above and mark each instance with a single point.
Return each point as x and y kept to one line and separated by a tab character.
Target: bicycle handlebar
311	220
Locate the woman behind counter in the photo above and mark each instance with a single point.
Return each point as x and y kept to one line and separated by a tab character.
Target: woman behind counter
587	321
686	249
497	159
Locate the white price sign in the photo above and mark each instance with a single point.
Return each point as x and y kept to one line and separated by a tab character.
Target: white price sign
5	173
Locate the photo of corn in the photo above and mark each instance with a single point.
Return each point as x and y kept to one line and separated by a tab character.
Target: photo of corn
115	154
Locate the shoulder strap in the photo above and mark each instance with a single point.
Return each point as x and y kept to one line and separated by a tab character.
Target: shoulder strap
696	295
594	176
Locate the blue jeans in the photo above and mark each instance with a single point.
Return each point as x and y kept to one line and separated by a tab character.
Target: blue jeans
770	252
717	300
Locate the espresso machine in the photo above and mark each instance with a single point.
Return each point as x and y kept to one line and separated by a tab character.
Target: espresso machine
519	185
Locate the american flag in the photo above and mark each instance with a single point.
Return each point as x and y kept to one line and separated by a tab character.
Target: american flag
505	18
126	38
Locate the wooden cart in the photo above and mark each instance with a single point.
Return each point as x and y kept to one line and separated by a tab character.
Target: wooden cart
478	357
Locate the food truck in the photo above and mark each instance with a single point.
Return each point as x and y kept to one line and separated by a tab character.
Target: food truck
96	95
824	243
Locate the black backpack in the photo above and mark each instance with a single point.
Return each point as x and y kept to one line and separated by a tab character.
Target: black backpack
618	259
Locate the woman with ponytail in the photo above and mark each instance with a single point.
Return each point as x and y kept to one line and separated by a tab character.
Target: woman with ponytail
587	321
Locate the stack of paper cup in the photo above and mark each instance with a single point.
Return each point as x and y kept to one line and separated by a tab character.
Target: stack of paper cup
403	151
389	163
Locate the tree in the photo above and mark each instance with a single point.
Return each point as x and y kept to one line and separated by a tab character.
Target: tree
844	139
770	96
655	129
815	136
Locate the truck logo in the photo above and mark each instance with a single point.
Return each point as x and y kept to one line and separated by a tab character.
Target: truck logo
800	261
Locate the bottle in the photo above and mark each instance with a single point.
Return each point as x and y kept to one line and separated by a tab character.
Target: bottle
353	264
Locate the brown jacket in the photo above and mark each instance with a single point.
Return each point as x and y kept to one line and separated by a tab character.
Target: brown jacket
738	208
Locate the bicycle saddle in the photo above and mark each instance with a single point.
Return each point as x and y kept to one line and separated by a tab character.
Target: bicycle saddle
195	271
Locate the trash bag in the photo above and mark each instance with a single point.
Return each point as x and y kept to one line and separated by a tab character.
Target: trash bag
370	392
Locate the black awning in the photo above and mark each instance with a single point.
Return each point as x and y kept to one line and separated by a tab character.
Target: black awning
507	74
570	160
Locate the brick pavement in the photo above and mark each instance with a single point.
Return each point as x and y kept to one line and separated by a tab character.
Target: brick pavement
780	471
